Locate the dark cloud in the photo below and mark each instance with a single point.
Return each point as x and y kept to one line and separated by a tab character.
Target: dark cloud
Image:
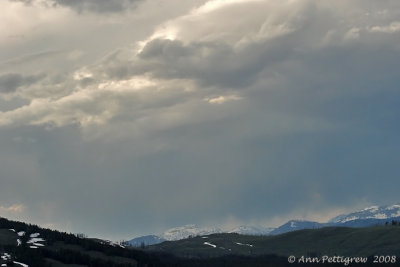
208	63
98	6
102	6
10	82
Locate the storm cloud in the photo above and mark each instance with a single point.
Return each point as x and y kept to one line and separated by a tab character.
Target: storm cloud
101	6
10	82
221	113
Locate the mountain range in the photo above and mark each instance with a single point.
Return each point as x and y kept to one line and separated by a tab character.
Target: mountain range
28	245
370	216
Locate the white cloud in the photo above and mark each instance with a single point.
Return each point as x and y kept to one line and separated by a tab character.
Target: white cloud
23	20
391	28
352	34
219	21
222	99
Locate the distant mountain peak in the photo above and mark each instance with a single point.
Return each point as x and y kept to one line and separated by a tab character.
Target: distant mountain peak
372	212
392	207
188	230
371	208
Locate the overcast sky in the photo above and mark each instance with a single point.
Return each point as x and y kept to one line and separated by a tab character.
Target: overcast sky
127	117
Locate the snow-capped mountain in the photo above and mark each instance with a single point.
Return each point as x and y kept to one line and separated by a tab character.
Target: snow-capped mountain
251	230
373	212
173	234
374	215
186	231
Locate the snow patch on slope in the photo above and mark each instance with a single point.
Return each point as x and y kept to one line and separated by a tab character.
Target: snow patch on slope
22	233
209	244
241	244
7	257
22	264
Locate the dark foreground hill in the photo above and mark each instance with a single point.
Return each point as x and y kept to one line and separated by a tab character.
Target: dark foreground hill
29	245
22	243
342	241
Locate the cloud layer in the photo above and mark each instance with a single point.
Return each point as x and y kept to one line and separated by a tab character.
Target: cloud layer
220	109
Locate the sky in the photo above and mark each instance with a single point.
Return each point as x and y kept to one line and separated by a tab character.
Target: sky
120	118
